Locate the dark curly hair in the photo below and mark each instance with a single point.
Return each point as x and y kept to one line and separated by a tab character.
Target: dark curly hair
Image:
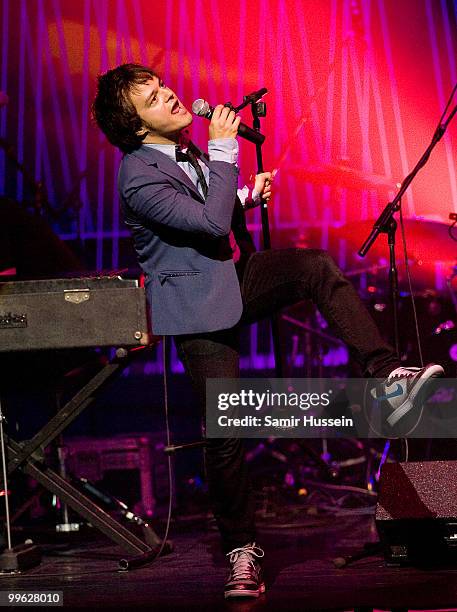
112	108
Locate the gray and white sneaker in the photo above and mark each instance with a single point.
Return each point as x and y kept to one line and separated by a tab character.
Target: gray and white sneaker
401	389
245	578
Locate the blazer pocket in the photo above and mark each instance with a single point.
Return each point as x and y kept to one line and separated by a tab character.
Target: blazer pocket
165	275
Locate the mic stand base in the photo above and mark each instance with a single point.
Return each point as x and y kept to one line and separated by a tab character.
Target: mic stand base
19	558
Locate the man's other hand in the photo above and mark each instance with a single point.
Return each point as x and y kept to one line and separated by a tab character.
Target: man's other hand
224	123
262	185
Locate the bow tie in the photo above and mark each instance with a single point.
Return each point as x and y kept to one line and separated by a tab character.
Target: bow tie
181	155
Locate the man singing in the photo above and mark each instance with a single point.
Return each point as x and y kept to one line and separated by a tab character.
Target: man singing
183	210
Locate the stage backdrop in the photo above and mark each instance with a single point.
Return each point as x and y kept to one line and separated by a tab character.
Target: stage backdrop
355	91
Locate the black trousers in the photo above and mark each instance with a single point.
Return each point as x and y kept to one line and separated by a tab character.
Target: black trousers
271	280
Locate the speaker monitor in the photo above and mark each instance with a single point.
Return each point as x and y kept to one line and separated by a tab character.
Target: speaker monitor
416	513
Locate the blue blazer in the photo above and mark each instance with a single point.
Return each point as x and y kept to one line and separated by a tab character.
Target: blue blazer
182	241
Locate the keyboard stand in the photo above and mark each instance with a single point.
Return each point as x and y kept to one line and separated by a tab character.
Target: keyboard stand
28	456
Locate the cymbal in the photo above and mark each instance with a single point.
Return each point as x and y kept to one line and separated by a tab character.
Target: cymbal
426	241
339	175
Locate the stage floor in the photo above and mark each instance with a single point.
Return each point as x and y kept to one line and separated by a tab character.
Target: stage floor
300	573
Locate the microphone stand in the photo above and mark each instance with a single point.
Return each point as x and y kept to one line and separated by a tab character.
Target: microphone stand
387	224
258	110
22	556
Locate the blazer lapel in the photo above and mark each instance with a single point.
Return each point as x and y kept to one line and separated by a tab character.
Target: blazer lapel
167	166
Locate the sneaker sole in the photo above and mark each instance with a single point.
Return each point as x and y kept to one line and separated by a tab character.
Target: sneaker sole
433	372
238	593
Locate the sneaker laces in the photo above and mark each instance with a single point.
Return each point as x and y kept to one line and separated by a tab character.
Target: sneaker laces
402	373
242	560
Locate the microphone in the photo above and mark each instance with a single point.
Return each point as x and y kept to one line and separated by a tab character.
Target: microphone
201	108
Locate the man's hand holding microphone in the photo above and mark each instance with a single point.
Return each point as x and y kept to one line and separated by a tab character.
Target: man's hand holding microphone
224	124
